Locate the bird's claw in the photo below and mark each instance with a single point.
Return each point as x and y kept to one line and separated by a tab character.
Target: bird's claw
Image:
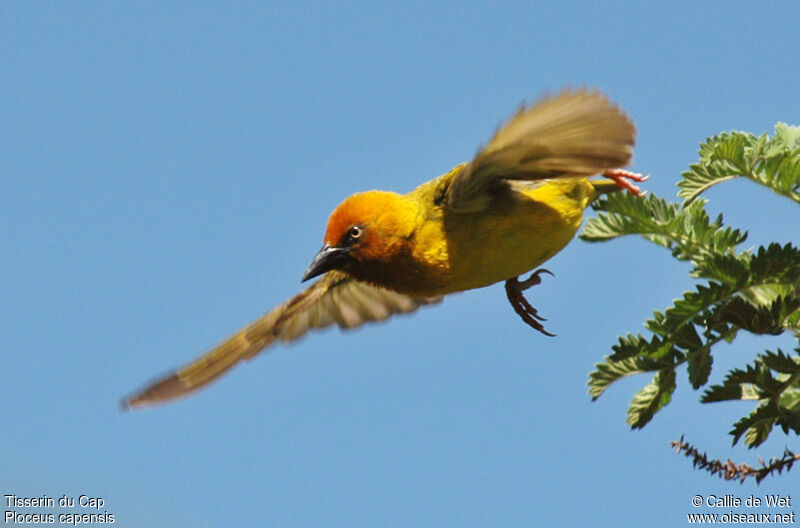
623	179
529	314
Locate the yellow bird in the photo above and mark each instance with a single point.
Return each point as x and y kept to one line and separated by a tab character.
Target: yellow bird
515	205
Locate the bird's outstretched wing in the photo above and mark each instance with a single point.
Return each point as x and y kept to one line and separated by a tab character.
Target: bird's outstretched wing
575	133
335	298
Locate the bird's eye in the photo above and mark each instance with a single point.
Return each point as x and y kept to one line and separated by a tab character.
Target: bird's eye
354	233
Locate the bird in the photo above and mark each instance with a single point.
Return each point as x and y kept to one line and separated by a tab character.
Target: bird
515	205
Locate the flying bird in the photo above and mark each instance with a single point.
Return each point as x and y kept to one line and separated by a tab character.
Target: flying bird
515	205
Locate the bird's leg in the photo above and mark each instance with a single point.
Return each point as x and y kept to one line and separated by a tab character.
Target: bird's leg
622	177
514	289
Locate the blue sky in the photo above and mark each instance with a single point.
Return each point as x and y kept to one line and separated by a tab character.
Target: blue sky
166	175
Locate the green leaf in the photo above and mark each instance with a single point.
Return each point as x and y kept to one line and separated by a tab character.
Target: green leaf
728	269
695	306
750	392
610	371
700	361
627	215
790	399
757	434
686	231
779	163
774	163
764	320
761	421
725	392
653	397
789	420
722	158
759	376
776	264
758	425
792	322
766	294
686	337
741	385
630	346
786	137
780	362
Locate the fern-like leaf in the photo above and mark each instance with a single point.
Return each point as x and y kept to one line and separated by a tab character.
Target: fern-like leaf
699	367
721	159
610	371
774	163
652	398
760	421
757	291
686	231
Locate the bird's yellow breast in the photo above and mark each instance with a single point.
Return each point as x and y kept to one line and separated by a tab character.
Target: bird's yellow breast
461	251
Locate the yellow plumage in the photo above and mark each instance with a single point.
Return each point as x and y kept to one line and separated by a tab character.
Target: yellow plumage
522	230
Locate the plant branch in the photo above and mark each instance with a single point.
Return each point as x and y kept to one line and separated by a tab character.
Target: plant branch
730	470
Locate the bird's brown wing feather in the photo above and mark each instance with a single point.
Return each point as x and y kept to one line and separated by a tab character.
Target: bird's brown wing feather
335	298
575	133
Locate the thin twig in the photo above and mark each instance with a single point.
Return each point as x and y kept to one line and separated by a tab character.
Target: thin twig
732	471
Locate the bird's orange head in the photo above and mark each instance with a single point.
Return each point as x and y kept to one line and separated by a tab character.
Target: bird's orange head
365	233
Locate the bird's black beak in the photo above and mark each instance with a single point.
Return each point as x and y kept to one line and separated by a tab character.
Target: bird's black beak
327	259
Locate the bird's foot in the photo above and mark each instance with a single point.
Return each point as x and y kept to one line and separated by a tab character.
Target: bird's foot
623	180
514	289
